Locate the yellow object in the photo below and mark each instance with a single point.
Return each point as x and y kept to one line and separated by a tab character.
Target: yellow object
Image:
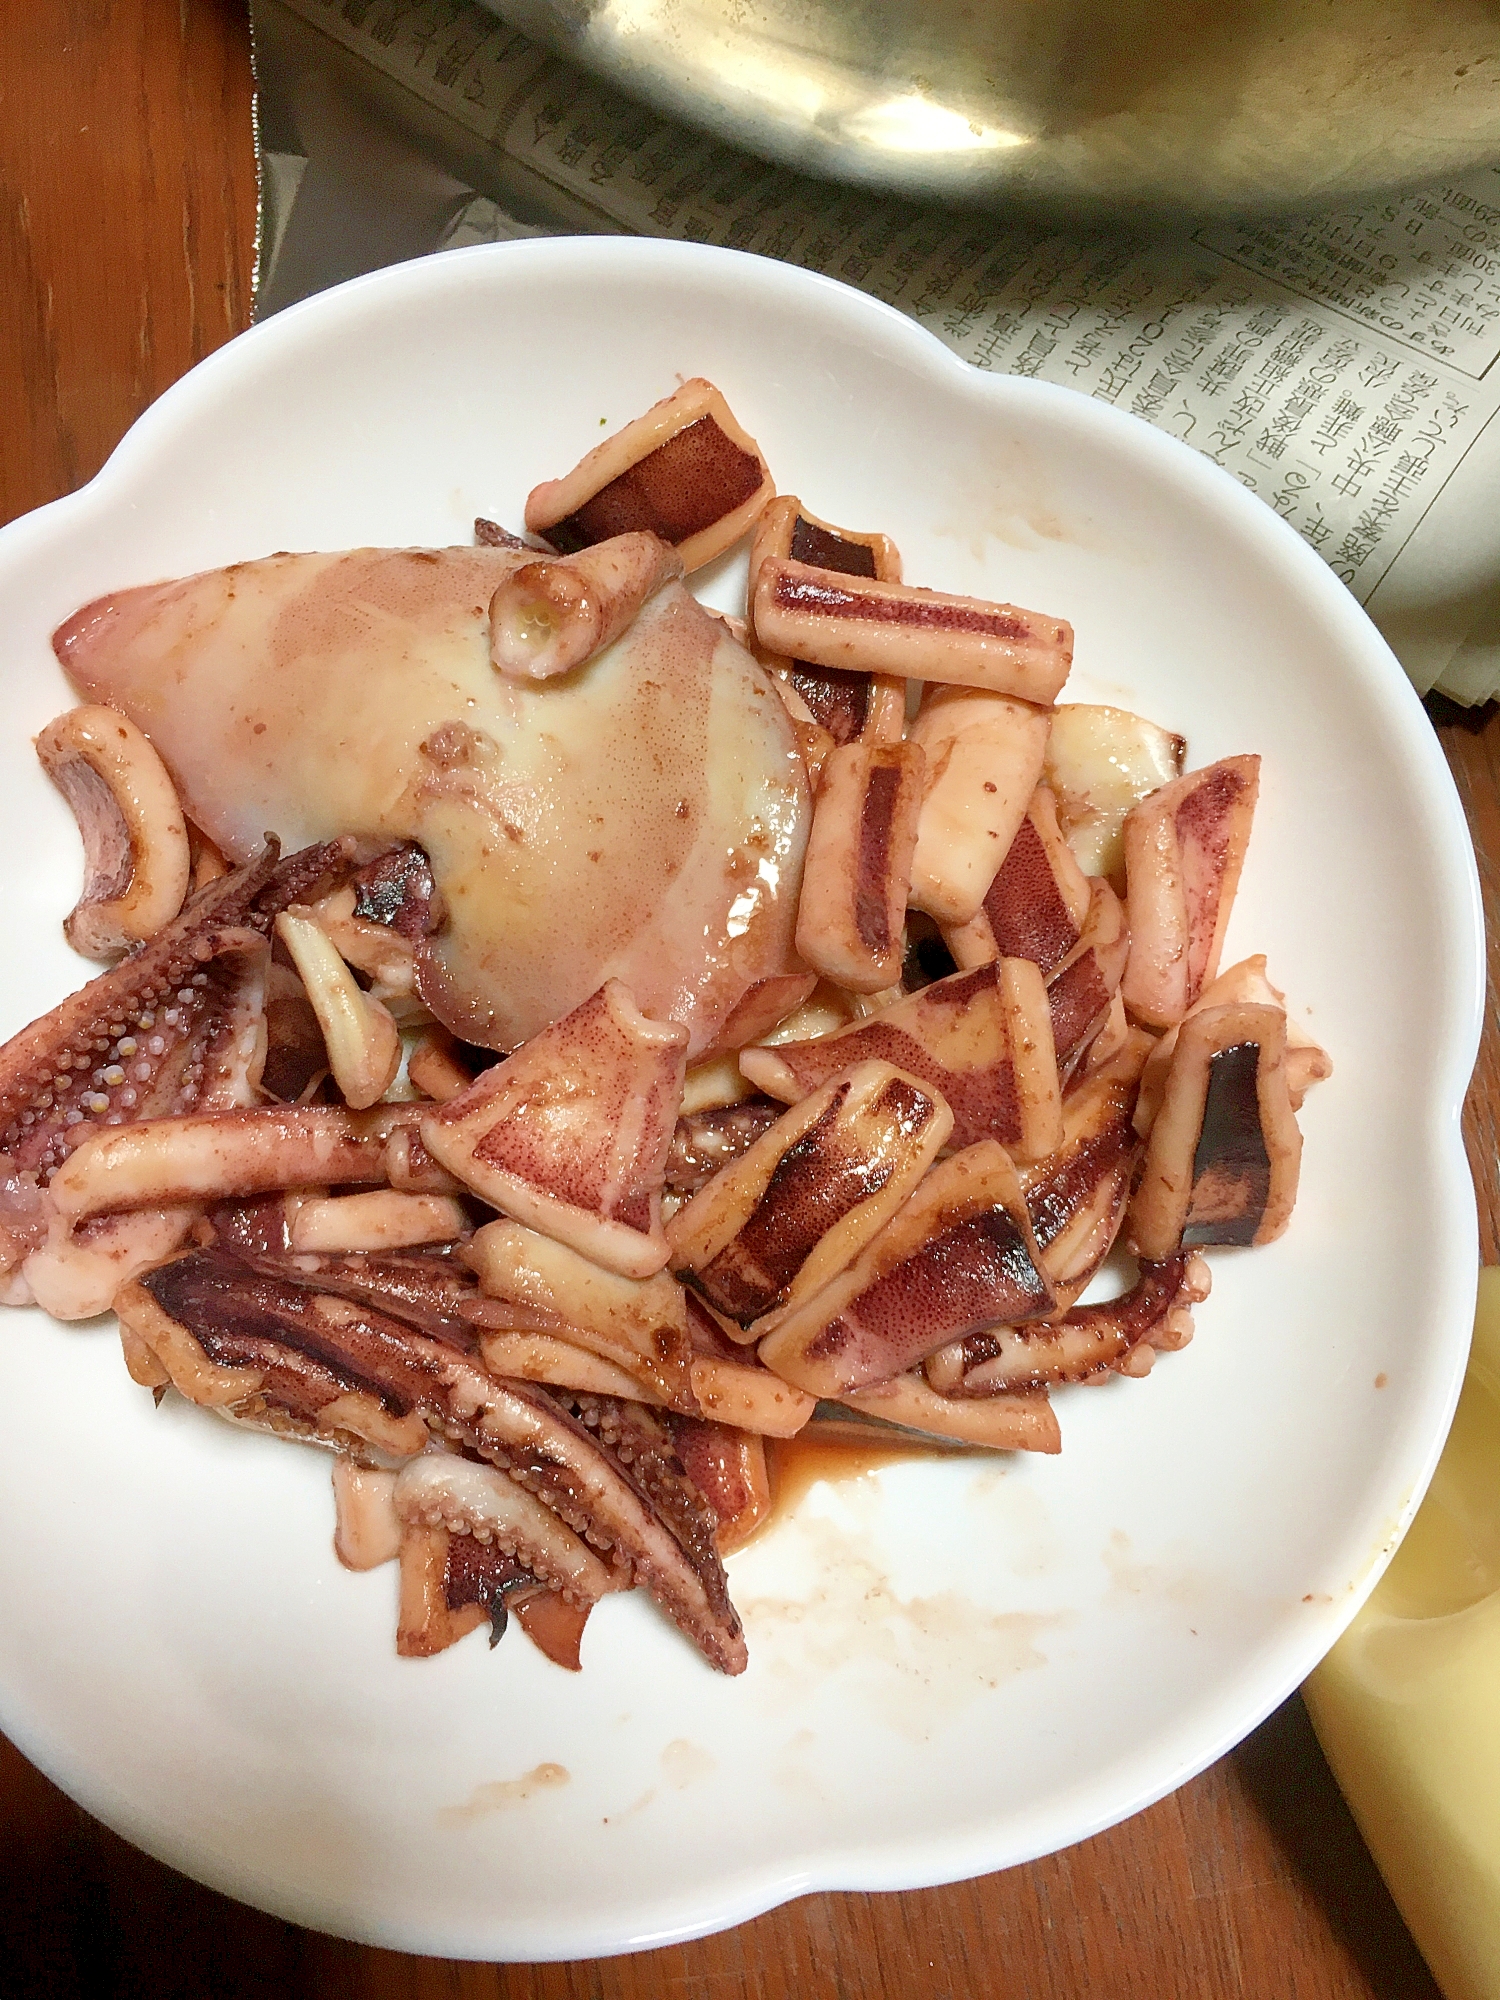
1407	1705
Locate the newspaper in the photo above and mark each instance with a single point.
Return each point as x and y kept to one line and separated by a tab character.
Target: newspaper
1342	366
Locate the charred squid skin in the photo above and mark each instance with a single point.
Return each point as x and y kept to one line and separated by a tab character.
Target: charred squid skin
359	1372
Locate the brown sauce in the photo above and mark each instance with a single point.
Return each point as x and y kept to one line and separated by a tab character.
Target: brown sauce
827	1450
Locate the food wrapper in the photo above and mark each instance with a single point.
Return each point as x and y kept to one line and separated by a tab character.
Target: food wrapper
1342	366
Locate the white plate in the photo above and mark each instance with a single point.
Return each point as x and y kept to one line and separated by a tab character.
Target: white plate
953	1667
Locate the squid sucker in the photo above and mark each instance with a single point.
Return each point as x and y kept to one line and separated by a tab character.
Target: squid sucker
652	790
277	1352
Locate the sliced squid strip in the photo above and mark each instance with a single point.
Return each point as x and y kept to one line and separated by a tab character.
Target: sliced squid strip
1106	1043
571	1134
1222	1161
864	626
383	1220
554	1627
1076	1197
1184	849
871	707
685	471
960	1255
208	864
411	1169
1306	1062
774	1226
363	1043
560	1363
1039	898
638	1324
984	756
218	1155
552	615
1088	1342
705	1141
739	1392
1081	992
1021	1422
367	1528
137	860
857	873
981	1039
435	1067
733	1385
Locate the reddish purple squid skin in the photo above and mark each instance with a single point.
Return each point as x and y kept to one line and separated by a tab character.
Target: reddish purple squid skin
131	1033
312	1349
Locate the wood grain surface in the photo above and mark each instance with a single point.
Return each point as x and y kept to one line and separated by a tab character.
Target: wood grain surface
127	217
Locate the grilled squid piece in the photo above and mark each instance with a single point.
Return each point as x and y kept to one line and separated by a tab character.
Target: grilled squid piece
277	1354
728	1467
685	471
765	1007
984	758
705	1141
386	957
638	1325
1101	762
864	626
727	1383
367	1529
1117	1336
571	1134
548	617
450	1585
559	1363
1076	1197
218	1156
982	1040
857	872
1036	905
362	1041
732	1383
844	705
1222	1161
1184	849
769	1230
436	1068
383	1220
959	1256
1009	1422
467	1497
1306	1062
135	840
1081	993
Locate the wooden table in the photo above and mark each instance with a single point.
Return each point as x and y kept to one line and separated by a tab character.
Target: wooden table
127	219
